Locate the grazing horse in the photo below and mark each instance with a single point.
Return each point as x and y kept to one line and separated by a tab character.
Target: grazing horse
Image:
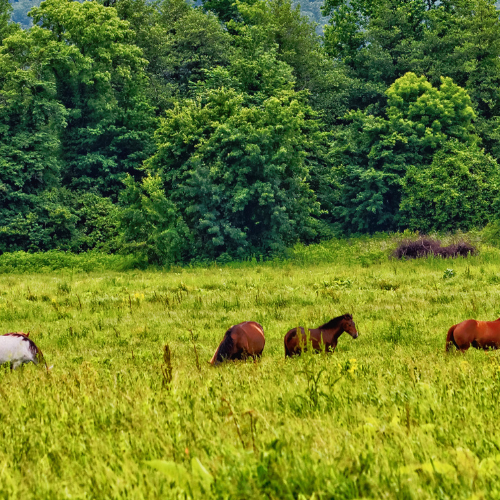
240	341
478	334
326	335
17	349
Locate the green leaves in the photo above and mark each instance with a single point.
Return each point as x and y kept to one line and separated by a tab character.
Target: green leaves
377	152
99	75
429	116
150	224
238	173
196	483
457	191
240	162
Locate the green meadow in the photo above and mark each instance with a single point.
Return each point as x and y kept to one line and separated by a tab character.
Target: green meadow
388	415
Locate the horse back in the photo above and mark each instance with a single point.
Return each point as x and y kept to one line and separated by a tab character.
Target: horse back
249	336
296	339
490	333
477	333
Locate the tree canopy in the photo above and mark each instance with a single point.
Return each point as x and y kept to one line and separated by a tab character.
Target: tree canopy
182	131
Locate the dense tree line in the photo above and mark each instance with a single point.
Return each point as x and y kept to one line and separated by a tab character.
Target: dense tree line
232	128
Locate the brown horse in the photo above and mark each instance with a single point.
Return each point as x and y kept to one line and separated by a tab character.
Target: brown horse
240	341
478	334
326	335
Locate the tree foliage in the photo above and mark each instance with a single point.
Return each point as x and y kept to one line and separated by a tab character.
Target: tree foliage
457	191
374	153
99	77
238	172
31	120
151	224
180	131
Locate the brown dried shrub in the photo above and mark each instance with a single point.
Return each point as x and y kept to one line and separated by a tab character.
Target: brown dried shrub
424	246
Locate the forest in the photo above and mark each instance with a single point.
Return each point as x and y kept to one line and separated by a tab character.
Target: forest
225	130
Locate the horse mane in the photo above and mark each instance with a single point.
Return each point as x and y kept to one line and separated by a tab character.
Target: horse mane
335	322
225	347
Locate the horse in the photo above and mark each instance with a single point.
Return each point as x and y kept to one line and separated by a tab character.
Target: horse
17	348
325	336
479	334
240	342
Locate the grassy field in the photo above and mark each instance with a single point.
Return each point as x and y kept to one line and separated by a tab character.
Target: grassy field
388	415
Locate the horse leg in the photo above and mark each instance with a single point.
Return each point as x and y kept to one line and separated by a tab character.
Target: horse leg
243	350
256	357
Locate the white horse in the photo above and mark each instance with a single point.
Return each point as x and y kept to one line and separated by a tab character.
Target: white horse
17	349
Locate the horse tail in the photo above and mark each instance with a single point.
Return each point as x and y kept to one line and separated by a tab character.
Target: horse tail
288	337
287	351
225	348
450	339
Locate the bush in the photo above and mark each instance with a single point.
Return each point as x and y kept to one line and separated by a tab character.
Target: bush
459	190
150	224
424	246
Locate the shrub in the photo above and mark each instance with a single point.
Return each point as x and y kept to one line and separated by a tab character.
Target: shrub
424	246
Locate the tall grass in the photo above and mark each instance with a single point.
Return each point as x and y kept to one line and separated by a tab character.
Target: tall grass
388	415
46	262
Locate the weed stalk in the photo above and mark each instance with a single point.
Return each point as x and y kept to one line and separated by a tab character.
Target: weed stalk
166	368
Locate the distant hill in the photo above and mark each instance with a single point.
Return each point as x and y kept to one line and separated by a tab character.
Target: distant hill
310	8
21	9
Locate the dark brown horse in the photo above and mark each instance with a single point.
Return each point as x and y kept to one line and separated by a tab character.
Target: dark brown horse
240	341
478	334
326	335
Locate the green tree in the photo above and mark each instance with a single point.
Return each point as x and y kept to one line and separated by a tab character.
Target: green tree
458	190
276	24
373	154
462	41
196	43
99	76
150	224
43	223
96	221
179	42
239	172
421	118
376	38
31	120
7	27
226	10
381	40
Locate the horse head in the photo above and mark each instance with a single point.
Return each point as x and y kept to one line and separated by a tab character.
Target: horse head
349	326
225	349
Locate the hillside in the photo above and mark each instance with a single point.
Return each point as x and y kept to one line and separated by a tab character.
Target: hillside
311	8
